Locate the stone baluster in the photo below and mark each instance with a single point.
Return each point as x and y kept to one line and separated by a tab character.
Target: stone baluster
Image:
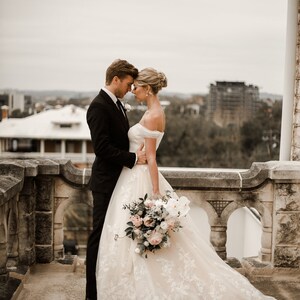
218	238
58	240
266	244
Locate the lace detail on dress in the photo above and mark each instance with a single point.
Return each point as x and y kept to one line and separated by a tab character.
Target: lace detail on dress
190	269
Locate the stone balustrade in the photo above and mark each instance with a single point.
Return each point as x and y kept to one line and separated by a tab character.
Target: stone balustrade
34	194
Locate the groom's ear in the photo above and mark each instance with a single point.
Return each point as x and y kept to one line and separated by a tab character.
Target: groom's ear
115	80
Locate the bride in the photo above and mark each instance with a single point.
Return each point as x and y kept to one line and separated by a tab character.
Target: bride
189	268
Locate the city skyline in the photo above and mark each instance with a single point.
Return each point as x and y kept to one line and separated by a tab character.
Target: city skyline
68	45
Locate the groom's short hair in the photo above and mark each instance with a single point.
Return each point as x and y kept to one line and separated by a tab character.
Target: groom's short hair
120	68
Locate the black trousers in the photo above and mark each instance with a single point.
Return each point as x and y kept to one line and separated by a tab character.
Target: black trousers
101	201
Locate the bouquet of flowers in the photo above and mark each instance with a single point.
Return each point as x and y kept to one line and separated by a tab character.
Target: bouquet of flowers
152	220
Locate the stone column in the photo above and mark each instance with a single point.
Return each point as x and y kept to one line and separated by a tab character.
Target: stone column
63	149
83	151
289	81
13	228
3	245
26	207
42	147
295	151
44	219
287	225
218	238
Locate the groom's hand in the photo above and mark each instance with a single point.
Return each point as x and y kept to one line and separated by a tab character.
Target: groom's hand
141	155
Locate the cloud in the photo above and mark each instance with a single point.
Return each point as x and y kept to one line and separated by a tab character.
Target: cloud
71	42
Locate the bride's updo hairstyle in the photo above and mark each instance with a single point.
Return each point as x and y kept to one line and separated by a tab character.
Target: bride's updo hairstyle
156	80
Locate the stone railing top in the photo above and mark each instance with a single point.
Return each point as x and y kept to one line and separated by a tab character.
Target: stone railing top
200	178
12	172
11	180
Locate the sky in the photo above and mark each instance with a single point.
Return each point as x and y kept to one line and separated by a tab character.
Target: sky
68	44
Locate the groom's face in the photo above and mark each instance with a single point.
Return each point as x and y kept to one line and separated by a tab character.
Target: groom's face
123	86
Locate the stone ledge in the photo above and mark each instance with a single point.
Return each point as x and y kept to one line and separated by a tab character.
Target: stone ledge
233	179
11	180
9	187
10	289
282	283
255	268
188	178
54	267
71	174
19	272
235	264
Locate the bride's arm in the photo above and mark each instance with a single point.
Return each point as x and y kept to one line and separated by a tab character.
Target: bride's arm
150	146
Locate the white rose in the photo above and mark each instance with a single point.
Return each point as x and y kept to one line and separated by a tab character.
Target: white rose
164	225
127	107
148	203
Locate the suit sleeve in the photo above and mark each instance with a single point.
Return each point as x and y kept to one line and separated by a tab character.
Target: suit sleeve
98	121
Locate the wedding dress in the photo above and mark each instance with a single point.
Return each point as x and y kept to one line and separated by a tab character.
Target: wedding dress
188	269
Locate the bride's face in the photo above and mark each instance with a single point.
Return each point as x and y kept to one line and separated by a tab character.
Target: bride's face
140	92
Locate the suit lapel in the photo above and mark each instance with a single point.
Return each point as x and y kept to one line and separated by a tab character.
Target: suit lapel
117	112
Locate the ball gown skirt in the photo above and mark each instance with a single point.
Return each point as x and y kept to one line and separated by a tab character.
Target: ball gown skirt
188	269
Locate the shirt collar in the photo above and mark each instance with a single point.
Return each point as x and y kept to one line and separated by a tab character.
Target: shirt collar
110	94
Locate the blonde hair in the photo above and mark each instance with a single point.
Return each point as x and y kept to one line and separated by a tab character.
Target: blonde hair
156	80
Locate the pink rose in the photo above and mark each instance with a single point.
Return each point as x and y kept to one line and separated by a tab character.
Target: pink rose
171	223
136	220
155	238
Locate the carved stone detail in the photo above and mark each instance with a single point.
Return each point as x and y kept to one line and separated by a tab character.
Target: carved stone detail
219	205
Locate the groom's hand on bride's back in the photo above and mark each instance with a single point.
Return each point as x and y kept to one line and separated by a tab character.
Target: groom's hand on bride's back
141	155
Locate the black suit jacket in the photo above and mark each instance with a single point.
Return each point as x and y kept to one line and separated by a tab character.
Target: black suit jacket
108	128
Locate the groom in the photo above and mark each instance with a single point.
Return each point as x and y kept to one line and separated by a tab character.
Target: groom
108	125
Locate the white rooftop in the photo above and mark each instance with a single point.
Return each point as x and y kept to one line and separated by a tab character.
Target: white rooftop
68	122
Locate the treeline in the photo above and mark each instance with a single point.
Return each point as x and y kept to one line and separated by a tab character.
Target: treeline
193	141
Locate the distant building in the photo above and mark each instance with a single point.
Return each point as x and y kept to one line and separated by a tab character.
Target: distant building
193	106
56	133
15	101
4	101
232	103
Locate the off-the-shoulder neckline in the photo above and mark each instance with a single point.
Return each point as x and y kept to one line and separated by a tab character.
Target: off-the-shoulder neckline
162	132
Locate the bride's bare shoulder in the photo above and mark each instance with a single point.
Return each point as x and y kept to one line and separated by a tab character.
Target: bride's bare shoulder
150	121
153	120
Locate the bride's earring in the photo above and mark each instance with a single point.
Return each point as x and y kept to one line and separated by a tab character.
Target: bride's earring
148	93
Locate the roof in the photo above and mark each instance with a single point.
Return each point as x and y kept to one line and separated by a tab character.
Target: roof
68	122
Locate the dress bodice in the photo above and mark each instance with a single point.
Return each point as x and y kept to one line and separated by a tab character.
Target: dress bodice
137	134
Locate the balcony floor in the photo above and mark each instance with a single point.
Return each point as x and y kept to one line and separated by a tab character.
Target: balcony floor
57	281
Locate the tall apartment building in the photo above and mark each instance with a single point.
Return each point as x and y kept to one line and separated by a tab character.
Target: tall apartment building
15	100
232	103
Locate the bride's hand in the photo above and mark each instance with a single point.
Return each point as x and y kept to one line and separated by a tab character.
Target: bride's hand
156	196
141	155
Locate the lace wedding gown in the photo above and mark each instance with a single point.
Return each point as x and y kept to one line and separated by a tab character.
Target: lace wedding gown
188	269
